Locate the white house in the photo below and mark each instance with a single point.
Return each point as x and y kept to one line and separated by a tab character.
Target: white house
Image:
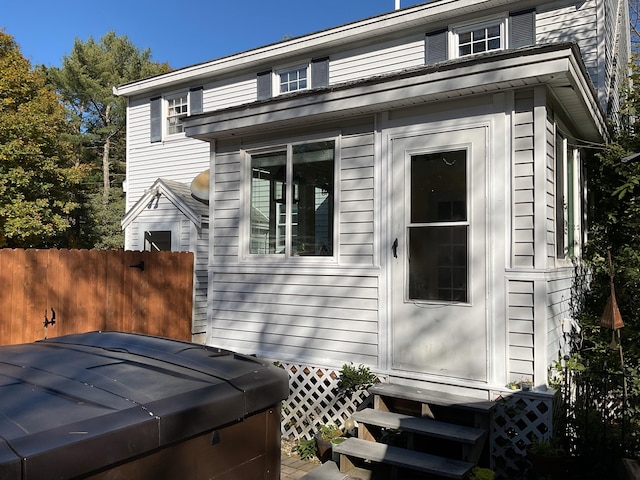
405	191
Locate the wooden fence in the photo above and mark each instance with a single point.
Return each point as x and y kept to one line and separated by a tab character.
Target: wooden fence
87	290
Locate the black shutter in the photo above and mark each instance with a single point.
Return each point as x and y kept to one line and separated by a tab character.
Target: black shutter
436	47
320	72
195	100
522	30
156	119
264	85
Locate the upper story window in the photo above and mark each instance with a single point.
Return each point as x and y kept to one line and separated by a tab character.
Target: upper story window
166	113
292	201
293	79
479	38
177	108
512	30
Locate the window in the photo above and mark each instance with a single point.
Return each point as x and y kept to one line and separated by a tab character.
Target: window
568	200
439	228
478	39
291	207
157	241
292	80
177	107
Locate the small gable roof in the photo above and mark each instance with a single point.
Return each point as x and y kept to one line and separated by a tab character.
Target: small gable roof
179	194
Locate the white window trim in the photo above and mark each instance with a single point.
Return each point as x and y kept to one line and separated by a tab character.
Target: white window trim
290	68
173	227
456	29
165	114
246	176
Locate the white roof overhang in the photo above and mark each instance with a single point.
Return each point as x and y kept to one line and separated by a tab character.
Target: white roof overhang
557	66
177	194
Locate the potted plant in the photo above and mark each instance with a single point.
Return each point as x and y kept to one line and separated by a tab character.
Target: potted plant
546	456
325	434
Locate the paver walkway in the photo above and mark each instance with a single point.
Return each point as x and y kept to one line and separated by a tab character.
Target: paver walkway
294	468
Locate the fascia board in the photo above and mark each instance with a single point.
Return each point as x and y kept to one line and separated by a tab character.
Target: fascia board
420	16
367	97
144	200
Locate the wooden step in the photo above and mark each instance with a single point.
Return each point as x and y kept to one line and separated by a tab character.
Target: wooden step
399	457
421	426
422	395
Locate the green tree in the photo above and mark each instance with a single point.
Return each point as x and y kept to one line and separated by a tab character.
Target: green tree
38	177
614	187
85	82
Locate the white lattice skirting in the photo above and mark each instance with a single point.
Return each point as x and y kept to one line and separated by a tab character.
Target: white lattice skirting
314	401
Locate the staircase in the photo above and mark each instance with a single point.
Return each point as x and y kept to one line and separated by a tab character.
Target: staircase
414	433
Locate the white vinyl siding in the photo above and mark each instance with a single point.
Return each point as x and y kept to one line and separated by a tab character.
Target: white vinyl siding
558	308
230	92
356	199
520	316
322	317
179	159
576	22
550	191
329	313
226	204
200	245
523	181
376	59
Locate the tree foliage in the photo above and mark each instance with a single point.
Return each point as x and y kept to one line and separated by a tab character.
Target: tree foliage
85	83
614	186
38	177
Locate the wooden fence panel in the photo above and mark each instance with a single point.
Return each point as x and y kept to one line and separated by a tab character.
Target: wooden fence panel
87	290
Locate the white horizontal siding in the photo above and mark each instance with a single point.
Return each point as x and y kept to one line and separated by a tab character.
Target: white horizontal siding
377	59
523	181
558	307
550	191
226	207
200	282
230	92
521	306
356	213
179	158
322	317
578	23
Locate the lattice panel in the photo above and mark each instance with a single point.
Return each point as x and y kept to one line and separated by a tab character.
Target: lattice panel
518	419
314	400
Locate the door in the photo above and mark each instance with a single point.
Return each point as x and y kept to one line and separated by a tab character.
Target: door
438	274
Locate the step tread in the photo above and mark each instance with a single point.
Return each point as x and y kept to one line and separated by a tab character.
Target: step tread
423	462
431	397
424	426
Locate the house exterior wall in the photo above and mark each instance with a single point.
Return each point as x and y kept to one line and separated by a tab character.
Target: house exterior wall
300	310
178	158
338	311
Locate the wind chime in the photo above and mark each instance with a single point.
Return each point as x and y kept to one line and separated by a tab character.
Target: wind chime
611	318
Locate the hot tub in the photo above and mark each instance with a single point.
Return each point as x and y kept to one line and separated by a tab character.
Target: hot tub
109	405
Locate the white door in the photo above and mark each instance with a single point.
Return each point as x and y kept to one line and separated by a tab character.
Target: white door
438	278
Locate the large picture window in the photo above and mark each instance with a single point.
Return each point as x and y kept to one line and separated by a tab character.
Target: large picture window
292	196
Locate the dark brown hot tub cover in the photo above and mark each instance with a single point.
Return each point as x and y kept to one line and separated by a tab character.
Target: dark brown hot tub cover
79	403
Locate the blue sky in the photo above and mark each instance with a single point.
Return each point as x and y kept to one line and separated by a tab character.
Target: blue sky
180	33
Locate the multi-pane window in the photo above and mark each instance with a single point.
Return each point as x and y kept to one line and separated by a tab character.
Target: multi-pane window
481	39
292	80
292	198
177	108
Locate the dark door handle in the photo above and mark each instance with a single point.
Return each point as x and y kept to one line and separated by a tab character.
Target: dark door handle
394	248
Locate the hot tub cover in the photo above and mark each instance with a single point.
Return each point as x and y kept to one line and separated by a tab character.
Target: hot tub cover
79	403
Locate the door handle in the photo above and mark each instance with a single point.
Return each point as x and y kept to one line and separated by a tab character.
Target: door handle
394	248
